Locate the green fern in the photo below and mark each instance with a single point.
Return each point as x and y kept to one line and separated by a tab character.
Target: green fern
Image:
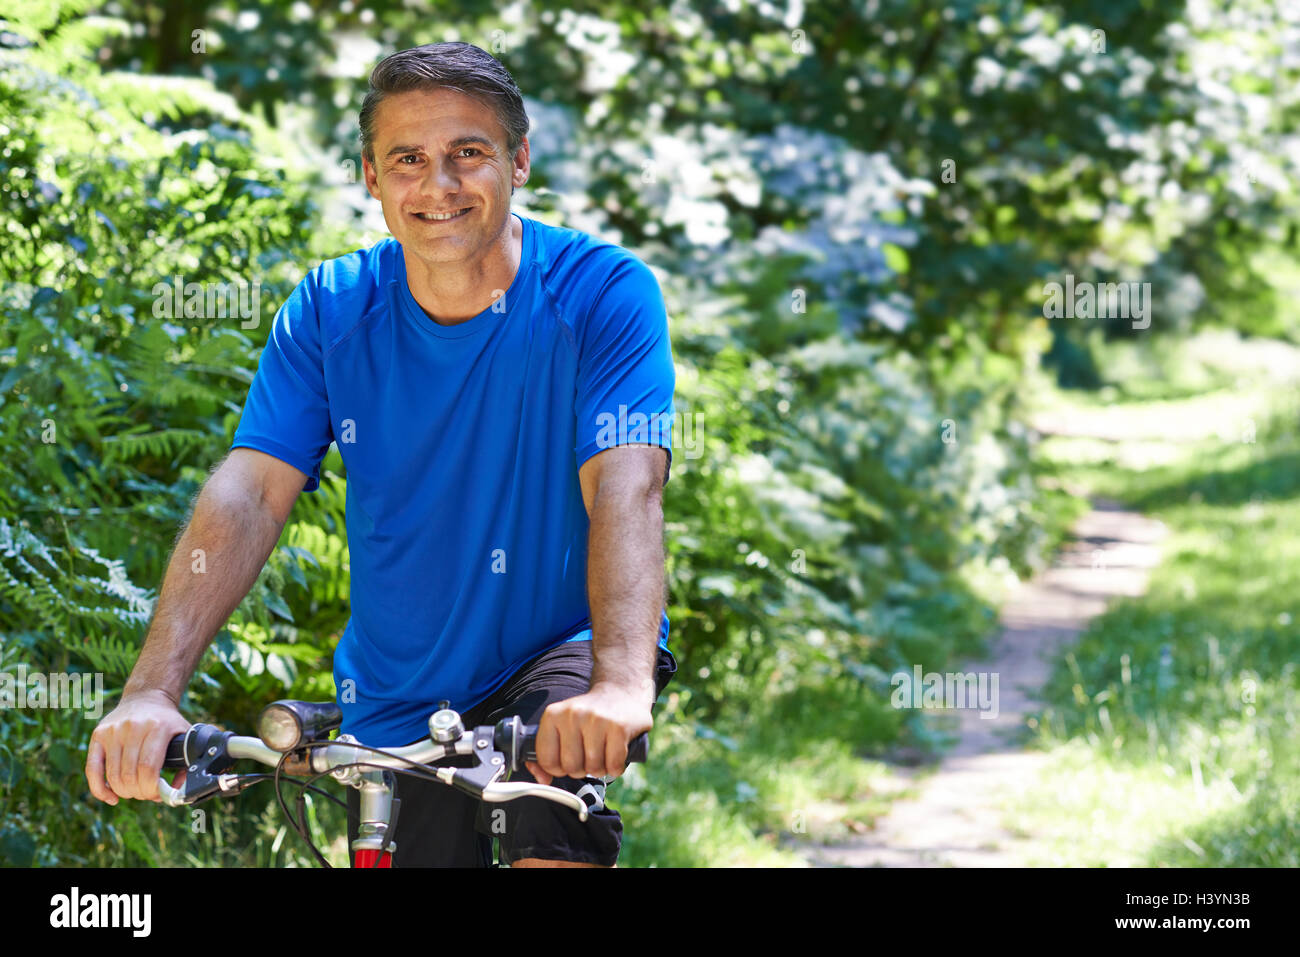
115	657
172	445
47	585
30	18
111	416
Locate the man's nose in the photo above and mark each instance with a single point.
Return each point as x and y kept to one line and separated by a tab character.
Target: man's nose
440	177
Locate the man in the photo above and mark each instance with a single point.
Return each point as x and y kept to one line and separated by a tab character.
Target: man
479	373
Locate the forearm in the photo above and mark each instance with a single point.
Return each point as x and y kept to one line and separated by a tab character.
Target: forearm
215	563
625	588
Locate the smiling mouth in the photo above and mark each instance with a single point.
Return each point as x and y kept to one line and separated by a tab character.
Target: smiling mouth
442	217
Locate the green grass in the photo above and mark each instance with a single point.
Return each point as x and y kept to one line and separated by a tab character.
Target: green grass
1173	721
743	796
1157	757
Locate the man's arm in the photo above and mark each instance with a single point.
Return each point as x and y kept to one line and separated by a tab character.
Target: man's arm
588	735
237	520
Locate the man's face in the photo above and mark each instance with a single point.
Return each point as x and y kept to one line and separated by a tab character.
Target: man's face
441	151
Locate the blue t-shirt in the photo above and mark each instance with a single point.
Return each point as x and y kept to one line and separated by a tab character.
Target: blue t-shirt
466	527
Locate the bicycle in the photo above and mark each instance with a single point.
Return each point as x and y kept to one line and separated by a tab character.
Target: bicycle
293	737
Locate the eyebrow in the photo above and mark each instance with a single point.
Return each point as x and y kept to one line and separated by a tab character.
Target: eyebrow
457	143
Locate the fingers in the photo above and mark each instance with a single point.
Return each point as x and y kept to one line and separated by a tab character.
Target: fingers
561	751
152	753
113	766
95	774
594	745
615	755
129	766
127	750
548	750
573	753
586	737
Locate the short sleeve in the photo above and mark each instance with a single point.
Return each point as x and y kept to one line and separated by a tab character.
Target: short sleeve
625	365
287	411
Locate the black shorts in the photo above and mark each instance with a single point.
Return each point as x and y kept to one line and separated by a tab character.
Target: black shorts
439	826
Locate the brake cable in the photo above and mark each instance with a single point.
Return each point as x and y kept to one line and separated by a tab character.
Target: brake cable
300	825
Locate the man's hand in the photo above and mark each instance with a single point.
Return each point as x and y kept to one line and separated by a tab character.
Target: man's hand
237	519
128	747
587	736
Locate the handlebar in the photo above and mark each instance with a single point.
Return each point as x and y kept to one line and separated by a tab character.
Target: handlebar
206	752
637	751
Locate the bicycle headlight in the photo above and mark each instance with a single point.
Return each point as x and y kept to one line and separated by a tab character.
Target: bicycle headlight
279	727
289	725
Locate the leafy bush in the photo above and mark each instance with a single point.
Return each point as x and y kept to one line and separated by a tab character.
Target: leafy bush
107	406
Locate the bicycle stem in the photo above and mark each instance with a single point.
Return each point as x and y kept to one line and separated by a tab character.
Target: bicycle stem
376	813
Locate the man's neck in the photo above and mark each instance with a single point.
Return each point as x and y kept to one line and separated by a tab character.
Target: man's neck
451	293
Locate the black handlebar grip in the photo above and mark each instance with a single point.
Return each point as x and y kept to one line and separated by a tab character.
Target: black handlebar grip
175	752
637	750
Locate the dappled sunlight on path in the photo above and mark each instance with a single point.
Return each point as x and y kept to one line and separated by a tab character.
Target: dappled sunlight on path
956	819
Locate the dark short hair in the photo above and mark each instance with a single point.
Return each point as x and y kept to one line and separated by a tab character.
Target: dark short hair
453	66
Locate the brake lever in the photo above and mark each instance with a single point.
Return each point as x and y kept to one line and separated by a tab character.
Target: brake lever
172	797
509	790
205	758
483	780
488	768
176	797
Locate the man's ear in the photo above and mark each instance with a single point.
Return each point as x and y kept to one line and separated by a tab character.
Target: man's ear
519	176
371	177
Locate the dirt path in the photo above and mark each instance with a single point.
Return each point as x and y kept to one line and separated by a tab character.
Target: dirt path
955	819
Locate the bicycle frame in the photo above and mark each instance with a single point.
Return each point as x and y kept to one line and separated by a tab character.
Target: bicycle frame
373	845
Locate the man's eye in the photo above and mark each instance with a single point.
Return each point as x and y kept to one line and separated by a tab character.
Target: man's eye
408	156
467	149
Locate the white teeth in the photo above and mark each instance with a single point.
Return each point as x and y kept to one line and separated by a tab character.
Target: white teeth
438	218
